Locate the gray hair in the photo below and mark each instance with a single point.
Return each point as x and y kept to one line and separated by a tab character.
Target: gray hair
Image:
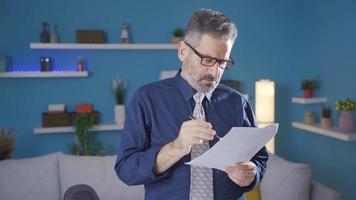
212	22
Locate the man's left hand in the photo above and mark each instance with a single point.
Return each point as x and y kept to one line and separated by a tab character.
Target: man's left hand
243	173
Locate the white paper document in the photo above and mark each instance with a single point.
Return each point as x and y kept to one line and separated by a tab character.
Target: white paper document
238	145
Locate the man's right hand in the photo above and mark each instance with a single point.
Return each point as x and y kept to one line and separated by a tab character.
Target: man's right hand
193	132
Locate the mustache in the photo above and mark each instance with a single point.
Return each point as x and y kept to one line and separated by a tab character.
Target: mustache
208	77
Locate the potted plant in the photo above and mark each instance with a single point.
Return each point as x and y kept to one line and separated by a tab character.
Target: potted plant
83	144
325	121
308	86
119	88
178	34
7	143
346	120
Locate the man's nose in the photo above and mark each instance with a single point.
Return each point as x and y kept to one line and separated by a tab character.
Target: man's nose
214	70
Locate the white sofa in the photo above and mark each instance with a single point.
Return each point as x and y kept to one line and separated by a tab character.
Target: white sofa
286	180
48	177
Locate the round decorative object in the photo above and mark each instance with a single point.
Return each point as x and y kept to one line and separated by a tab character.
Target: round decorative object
346	122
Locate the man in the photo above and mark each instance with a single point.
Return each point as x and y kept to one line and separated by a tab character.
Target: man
171	121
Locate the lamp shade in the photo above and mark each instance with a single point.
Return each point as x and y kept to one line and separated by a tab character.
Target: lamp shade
264	101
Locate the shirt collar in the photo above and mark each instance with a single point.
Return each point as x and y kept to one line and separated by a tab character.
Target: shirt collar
208	95
186	89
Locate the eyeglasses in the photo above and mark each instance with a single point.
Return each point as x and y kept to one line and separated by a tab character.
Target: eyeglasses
211	61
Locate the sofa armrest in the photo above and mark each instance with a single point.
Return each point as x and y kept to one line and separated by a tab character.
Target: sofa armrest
321	192
285	180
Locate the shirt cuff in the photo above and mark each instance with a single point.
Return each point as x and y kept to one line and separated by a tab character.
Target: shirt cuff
255	182
149	159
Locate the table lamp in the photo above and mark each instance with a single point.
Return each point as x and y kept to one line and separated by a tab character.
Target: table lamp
264	106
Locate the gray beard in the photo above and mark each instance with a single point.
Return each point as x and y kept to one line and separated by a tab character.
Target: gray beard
206	88
203	88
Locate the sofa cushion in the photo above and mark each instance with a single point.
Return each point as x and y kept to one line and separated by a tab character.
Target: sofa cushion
285	180
97	172
321	192
30	178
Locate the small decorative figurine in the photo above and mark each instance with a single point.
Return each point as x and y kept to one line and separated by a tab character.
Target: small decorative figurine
80	65
46	64
125	33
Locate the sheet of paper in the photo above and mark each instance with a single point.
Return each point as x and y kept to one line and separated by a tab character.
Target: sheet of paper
238	145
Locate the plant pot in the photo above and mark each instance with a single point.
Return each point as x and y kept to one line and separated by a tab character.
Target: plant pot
308	93
176	40
95	114
346	122
325	123
309	118
119	114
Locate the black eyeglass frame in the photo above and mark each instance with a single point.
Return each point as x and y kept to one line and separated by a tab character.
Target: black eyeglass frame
228	63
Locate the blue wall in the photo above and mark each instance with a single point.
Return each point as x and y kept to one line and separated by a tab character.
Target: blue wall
286	40
325	50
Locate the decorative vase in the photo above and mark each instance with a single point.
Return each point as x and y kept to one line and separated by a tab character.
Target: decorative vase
44	37
120	114
309	118
54	37
325	123
308	93
346	122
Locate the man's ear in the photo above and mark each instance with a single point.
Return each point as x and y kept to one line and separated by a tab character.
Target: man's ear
182	51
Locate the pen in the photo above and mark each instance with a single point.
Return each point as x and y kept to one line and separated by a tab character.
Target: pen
216	135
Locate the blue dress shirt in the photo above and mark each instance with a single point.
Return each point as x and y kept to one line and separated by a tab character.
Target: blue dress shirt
154	118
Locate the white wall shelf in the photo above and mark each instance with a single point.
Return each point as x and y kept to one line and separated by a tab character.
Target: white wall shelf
43	74
103	46
70	129
316	100
327	132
